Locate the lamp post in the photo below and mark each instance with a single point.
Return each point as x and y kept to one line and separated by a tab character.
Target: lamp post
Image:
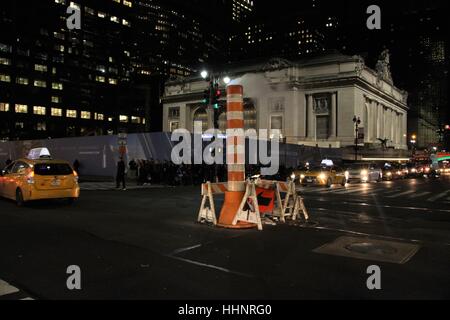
413	143
357	122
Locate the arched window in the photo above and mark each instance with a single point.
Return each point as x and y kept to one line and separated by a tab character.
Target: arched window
200	115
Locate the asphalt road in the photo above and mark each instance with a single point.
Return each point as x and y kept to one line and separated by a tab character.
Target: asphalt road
145	244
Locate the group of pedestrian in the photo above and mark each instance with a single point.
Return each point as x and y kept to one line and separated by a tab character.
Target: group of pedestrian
166	173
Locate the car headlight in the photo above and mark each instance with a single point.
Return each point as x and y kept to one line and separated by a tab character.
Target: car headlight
364	173
413	170
302	176
322	176
347	174
293	176
389	174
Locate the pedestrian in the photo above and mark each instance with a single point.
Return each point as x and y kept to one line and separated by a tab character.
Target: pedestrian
120	177
76	166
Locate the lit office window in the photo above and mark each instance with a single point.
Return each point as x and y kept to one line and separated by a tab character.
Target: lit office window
100	79
99	116
57	86
56	99
22	81
135	120
59	35
56	112
112	81
41	126
5	61
126	22
4	107
85	115
71	113
123	118
114	19
127	3
5	77
21	108
101	15
89	11
59	47
60	1
39	110
40	84
110	119
40	68
74	5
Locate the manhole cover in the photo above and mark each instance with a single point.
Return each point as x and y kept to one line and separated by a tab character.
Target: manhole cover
371	248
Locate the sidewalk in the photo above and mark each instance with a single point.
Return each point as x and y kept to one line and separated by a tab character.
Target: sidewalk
111	185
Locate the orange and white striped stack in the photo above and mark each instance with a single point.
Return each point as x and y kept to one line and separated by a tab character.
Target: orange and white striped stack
235	139
235	159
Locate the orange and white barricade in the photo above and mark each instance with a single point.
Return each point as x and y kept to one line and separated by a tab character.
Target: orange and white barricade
291	205
207	210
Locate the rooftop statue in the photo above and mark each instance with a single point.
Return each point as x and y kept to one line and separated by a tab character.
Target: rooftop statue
384	66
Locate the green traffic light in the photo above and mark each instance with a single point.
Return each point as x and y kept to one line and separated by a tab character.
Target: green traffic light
216	106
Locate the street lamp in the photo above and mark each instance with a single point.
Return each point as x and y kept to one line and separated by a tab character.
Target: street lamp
213	93
413	142
357	122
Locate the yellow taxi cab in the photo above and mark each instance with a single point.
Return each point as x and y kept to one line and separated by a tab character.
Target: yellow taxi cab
39	177
323	175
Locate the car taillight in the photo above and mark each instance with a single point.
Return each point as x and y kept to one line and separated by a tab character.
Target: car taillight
75	175
30	177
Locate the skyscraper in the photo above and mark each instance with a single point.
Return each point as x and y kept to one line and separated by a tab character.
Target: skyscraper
103	78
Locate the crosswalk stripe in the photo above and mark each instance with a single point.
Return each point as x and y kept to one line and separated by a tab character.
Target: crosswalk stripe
6	288
418	195
401	194
439	196
351	191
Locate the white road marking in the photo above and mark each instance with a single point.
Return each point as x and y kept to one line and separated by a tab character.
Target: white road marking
439	196
6	288
418	195
401	194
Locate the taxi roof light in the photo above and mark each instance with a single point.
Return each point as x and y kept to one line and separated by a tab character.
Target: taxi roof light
39	153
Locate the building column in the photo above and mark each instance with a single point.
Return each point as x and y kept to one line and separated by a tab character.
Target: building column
380	121
311	122
367	123
333	115
374	121
391	126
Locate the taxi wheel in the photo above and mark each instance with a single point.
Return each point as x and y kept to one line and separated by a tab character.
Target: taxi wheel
19	198
344	182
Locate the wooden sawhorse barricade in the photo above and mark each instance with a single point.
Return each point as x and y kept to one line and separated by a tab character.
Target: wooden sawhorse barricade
291	206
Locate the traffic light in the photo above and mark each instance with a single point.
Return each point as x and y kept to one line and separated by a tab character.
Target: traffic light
216	96
206	97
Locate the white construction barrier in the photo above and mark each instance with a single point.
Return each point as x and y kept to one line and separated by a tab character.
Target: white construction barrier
288	202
